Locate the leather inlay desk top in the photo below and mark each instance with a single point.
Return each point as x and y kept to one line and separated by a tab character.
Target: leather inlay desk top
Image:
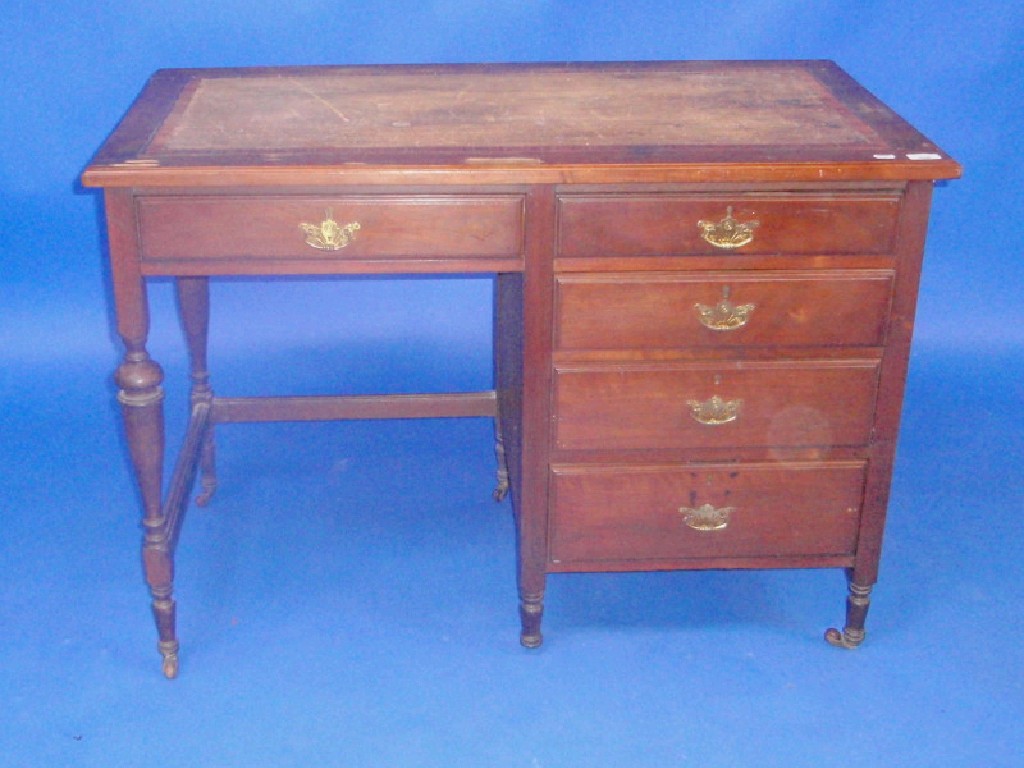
607	107
624	122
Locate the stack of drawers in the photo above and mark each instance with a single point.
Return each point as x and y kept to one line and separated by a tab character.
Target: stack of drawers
716	361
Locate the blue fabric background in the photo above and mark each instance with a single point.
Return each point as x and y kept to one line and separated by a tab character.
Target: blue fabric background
349	599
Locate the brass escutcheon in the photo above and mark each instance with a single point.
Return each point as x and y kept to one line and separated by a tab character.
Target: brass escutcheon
329	235
706	517
714	411
727	233
724	316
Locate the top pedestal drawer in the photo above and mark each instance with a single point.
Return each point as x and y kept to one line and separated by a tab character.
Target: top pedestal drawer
325	228
682	224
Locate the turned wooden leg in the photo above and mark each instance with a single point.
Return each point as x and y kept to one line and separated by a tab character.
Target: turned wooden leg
194	309
501	489
138	379
141	398
857	603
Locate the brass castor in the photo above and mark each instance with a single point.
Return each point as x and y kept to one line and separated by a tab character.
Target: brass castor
206	494
857	603
169	650
848	638
531	609
170	667
531	641
501	490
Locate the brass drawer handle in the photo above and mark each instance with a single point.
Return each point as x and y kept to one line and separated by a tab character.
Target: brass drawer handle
329	235
727	233
706	517
715	411
724	316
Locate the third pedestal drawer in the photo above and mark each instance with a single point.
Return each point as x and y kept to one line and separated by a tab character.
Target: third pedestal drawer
605	513
716	309
714	404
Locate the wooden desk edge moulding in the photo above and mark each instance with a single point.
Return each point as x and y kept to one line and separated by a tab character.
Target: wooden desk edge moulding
705	282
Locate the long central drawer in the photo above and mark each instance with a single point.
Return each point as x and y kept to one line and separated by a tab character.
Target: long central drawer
183	231
714	404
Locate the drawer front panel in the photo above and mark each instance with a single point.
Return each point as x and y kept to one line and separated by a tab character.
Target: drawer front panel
388	227
602	513
664	310
670	225
714	405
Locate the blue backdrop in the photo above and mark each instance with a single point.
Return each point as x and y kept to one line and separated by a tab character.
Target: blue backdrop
83	694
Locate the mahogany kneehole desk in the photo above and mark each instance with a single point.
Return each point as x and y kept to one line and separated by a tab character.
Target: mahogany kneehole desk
705	284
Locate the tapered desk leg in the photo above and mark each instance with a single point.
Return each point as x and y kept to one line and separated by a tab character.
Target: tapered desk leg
523	339
141	398
194	308
138	379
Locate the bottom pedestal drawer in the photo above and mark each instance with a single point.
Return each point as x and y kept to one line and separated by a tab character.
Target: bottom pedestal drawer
602	513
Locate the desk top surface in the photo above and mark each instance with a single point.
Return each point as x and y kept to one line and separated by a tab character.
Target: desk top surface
667	121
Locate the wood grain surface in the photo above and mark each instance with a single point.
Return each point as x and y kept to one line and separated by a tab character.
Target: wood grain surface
511	123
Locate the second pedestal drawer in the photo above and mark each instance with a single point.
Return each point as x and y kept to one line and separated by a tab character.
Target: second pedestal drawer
714	404
663	512
715	309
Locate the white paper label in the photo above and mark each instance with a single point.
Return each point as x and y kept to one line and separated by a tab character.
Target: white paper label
923	156
885	157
